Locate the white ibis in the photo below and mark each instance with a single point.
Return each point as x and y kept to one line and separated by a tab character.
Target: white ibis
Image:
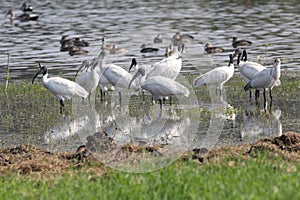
210	49
60	87
168	67
217	76
266	79
248	69
118	77
242	42
158	39
90	77
160	86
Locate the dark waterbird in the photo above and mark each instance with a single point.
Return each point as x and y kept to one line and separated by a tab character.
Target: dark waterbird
210	49
26	8
146	49
236	42
24	17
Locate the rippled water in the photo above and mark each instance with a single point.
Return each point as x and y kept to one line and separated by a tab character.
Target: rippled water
272	26
130	23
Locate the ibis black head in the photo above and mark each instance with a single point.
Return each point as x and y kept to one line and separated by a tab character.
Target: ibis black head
43	70
133	63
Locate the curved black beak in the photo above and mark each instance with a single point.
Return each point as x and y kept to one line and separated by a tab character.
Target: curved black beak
133	63
39	72
140	71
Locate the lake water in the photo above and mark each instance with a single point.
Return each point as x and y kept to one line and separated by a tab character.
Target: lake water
272	26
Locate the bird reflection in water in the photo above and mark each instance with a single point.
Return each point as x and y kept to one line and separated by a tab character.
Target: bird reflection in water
142	124
260	124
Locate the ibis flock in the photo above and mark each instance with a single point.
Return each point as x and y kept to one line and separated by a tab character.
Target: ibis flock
159	79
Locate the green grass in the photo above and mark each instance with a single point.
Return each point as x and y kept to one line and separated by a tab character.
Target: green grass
258	178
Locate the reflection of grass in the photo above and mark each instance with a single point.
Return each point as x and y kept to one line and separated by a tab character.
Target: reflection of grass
261	177
27	110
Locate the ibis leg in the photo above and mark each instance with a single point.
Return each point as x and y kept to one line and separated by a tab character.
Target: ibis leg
61	102
265	100
160	103
256	94
120	98
271	98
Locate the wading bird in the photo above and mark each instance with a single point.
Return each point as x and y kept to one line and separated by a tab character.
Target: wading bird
89	78
168	67
60	87
160	86
117	76
248	69
266	79
217	76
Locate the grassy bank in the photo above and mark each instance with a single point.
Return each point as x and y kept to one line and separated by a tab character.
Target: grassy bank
268	169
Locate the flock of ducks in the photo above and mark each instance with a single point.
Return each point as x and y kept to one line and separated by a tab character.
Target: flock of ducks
159	79
73	46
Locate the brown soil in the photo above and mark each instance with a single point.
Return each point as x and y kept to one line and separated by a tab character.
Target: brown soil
32	161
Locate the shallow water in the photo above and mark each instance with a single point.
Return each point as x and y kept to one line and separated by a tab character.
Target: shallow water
272	26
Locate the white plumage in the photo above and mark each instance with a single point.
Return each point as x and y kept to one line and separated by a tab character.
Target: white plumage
88	79
168	67
118	77
248	69
160	86
217	76
60	87
266	79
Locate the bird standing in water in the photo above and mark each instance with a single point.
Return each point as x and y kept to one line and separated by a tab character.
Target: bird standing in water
60	87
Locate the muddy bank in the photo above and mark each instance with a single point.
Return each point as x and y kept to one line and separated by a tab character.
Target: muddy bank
29	160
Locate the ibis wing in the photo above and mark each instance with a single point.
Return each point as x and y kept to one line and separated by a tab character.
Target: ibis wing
248	70
64	87
262	80
117	76
169	67
160	86
213	77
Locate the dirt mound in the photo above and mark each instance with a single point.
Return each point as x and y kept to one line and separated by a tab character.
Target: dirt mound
287	146
27	159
